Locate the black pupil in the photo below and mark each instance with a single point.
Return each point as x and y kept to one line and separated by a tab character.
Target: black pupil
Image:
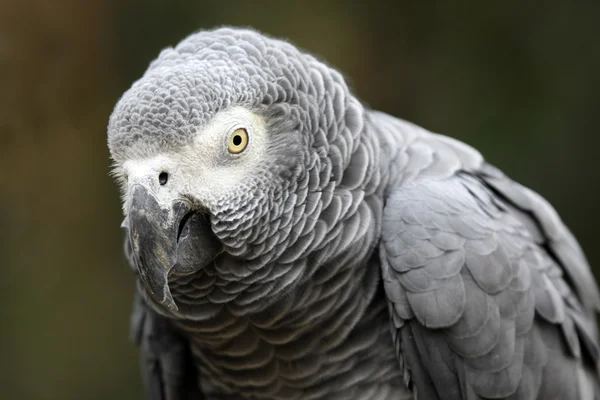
237	140
163	178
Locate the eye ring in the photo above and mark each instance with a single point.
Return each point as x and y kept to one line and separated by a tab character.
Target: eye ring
237	141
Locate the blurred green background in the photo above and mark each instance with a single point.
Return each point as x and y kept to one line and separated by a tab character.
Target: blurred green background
518	80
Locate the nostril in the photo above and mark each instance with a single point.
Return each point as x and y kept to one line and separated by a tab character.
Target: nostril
163	178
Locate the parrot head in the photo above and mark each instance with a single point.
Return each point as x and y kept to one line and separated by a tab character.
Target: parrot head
217	149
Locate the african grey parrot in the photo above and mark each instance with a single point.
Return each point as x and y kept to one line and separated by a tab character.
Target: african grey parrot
290	243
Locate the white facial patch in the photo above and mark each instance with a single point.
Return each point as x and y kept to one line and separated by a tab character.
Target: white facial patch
214	168
204	169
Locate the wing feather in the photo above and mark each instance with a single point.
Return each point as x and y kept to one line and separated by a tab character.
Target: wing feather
476	297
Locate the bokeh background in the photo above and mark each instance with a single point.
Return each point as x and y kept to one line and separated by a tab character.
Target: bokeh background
518	80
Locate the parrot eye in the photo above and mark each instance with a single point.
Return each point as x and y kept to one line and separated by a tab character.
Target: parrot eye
163	178
238	141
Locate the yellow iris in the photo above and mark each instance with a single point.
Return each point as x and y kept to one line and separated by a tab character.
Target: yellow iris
238	141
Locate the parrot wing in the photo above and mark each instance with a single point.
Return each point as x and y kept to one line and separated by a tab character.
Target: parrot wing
489	294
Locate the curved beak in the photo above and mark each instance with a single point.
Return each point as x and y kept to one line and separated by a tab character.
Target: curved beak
167	238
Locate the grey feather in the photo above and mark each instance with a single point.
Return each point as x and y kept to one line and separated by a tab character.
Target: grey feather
168	370
503	280
355	225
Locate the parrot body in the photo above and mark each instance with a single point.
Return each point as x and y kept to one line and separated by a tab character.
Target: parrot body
292	244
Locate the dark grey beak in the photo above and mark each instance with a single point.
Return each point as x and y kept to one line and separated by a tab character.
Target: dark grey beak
167	240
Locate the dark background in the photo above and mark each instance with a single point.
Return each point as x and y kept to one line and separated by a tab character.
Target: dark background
517	80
